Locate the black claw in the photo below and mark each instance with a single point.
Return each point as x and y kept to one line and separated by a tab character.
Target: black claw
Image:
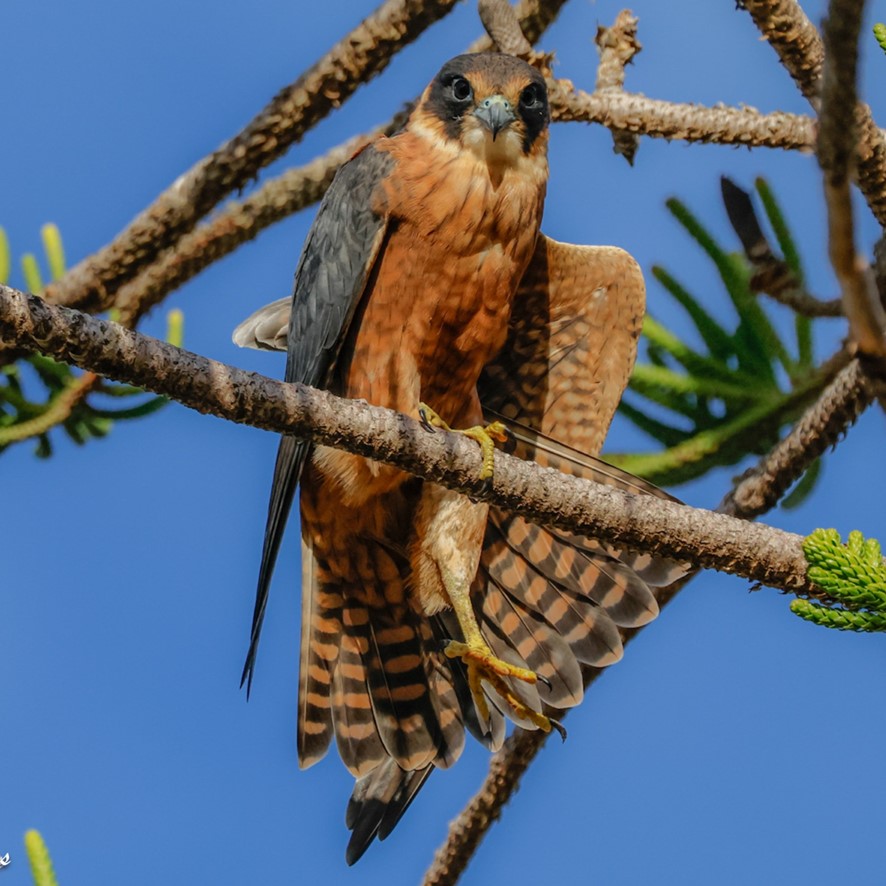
546	681
485	489
559	727
425	422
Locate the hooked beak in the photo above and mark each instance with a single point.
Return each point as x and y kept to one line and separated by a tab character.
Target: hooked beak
495	113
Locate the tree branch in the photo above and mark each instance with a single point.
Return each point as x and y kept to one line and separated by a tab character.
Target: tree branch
501	23
772	276
354	60
671	120
617	46
821	427
759	553
801	50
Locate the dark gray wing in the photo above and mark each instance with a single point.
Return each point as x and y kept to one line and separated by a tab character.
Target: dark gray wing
338	256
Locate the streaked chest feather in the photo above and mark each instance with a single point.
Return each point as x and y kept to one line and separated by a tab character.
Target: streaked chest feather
437	310
465	231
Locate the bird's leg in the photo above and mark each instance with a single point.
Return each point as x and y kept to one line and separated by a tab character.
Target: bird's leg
482	665
445	554
486	435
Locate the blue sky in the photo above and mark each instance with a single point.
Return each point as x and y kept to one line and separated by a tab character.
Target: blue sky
733	744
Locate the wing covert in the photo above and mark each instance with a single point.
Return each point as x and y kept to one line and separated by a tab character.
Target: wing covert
571	343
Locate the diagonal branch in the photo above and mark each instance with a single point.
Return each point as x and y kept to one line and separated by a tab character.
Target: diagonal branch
354	60
237	224
822	426
801	50
772	275
759	553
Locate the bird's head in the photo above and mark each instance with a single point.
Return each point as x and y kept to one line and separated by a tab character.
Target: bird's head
493	104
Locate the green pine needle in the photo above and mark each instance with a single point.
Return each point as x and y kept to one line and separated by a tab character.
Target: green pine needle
5	257
717	340
839	619
55	252
31	273
680	383
696	364
175	327
38	856
852	575
68	401
780	227
802	325
880	35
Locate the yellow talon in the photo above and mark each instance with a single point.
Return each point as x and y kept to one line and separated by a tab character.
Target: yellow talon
482	665
487	436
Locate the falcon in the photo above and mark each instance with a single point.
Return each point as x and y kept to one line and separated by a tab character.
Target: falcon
426	286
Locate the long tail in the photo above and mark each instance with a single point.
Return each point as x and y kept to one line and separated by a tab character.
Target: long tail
547	601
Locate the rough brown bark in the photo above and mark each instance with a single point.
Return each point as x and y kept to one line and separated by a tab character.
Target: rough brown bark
821	427
693	123
710	540
617	46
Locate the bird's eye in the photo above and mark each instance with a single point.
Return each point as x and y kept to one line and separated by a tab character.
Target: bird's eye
531	96
461	89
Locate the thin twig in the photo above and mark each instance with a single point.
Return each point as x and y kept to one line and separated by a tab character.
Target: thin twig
775	279
58	411
821	427
534	16
354	60
772	275
617	47
759	553
801	50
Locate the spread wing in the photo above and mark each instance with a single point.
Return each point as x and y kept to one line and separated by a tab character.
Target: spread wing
341	249
556	384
